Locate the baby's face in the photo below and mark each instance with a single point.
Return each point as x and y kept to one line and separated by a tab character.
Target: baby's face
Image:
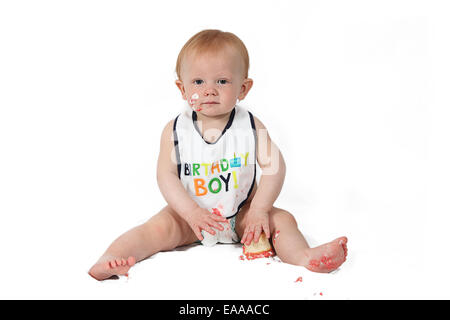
216	81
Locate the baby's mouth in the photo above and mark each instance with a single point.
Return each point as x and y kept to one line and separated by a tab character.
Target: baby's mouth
210	102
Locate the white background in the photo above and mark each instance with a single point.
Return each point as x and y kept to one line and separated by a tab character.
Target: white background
355	94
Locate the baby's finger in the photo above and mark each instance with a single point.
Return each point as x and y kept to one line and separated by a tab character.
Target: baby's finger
244	236
249	238
215	225
266	230
219	218
198	233
208	229
257	234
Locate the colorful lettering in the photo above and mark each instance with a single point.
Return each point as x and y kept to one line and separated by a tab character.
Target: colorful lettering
206	165
225	180
199	183
215	166
219	185
235	180
221	164
195	167
187	169
245	158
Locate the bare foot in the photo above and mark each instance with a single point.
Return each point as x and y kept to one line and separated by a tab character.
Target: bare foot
109	267
327	257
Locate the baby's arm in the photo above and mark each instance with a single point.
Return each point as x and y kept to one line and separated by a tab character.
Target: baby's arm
174	192
273	171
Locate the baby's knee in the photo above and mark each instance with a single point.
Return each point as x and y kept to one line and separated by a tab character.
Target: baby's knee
162	225
282	217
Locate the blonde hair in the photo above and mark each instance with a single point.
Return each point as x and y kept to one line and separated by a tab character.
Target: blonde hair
213	41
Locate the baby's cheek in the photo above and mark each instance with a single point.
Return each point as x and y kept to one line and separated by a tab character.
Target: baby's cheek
192	102
193	99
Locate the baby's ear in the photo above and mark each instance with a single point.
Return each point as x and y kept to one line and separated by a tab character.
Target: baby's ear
180	86
245	88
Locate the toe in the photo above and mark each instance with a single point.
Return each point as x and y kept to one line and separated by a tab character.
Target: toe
342	240
131	261
343	243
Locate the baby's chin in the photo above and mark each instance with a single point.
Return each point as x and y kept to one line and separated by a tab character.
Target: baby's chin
215	110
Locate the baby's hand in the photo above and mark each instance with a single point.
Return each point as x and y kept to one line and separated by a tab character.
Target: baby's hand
257	221
201	219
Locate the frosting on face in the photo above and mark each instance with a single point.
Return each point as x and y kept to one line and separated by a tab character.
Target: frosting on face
193	102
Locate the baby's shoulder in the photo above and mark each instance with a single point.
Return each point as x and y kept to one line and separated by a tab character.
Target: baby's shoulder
170	126
258	123
167	132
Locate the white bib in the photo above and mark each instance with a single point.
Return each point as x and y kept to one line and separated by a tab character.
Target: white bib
219	176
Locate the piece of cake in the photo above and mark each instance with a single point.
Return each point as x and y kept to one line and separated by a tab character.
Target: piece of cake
261	249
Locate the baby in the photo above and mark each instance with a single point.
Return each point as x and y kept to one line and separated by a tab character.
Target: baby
207	170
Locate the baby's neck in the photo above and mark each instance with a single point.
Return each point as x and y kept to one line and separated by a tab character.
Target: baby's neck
212	127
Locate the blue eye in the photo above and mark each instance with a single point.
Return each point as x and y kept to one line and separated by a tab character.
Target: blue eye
198	82
222	81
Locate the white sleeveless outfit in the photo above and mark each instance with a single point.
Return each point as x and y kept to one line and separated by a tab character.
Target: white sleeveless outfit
219	176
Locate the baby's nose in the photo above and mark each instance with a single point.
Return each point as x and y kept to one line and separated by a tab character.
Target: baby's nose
210	91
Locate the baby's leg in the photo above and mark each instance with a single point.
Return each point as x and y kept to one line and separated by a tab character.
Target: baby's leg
164	231
291	247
